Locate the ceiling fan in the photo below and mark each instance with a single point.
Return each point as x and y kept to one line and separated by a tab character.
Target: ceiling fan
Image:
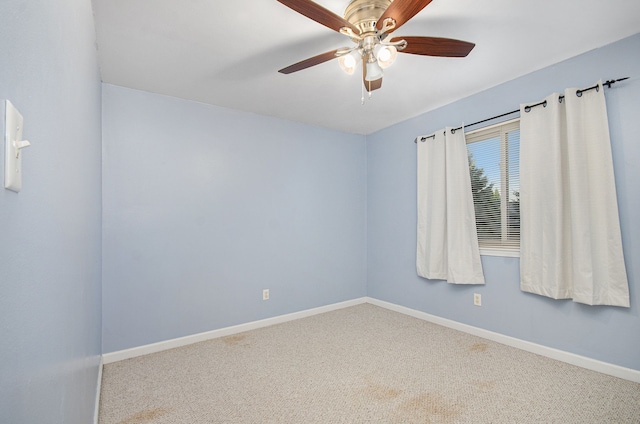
369	24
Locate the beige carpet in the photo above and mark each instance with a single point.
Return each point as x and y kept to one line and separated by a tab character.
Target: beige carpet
361	364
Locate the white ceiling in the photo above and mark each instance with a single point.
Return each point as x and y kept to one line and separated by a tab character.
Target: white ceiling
227	53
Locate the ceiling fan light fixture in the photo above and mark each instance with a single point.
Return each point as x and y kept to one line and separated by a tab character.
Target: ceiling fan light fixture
348	63
373	71
386	55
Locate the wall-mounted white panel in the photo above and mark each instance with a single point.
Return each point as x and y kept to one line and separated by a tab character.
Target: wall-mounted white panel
13	144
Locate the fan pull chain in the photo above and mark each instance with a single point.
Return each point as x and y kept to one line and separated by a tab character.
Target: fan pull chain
362	94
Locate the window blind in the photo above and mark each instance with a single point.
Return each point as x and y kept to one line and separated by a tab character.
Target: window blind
493	166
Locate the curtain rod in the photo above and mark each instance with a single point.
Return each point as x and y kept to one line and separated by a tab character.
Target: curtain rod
578	93
608	84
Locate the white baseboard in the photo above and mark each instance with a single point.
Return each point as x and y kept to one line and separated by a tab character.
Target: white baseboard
121	355
560	355
96	410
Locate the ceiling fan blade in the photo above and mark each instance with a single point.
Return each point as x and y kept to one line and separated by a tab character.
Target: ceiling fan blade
307	63
401	11
373	85
435	46
319	14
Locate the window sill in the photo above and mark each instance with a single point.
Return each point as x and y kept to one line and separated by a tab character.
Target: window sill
509	253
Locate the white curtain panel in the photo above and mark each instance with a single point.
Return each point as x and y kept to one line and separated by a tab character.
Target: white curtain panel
447	245
570	243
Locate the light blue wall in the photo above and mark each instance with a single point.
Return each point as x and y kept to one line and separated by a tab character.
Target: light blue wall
50	250
605	333
204	207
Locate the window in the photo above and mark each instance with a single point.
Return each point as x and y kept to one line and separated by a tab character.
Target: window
495	183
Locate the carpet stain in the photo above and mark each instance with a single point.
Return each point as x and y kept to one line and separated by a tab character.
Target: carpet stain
431	406
144	417
484	385
381	393
479	347
234	340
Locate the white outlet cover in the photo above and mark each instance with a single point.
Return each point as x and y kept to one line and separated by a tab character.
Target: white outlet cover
13	122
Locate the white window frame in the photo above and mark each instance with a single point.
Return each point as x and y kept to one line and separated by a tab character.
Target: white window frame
488	132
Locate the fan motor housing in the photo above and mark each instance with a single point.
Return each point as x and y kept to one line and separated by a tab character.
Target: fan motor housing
364	14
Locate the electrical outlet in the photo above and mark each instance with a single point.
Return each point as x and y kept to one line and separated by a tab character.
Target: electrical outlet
477	299
265	294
